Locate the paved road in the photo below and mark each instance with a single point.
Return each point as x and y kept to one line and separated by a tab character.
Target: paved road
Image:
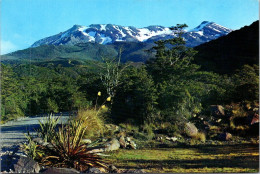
12	132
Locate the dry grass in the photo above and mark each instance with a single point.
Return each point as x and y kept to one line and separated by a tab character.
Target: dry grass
93	121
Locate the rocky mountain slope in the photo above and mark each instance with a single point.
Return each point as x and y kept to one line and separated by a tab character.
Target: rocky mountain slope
107	34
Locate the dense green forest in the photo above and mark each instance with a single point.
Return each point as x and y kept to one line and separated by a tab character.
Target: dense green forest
169	87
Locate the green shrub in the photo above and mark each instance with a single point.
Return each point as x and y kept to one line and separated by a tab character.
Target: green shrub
173	129
47	127
31	148
148	130
129	127
52	106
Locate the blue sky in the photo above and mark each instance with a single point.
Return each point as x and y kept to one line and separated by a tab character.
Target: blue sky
25	21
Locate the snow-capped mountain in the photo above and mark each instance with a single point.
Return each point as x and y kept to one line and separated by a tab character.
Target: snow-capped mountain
106	34
205	32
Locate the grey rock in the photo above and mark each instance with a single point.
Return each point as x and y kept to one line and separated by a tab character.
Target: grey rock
132	145
112	145
94	170
122	142
128	139
171	138
26	165
190	129
59	170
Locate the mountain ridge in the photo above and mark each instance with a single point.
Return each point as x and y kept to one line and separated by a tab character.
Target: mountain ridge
110	33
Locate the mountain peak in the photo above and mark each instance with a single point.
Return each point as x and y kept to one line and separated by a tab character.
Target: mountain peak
201	26
206	22
75	27
207	27
109	33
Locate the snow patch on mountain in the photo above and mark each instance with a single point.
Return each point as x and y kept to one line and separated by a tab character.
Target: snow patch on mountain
105	39
103	27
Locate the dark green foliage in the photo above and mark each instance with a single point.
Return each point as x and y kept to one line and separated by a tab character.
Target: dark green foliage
135	98
228	53
90	84
181	87
29	89
246	84
13	100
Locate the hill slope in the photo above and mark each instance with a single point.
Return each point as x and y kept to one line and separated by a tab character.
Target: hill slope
230	52
132	51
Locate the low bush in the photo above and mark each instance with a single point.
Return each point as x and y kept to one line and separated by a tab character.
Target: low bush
94	121
47	127
148	130
31	149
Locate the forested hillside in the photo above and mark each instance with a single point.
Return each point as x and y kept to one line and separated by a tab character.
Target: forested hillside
231	52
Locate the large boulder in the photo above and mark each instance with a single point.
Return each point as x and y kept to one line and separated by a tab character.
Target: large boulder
26	165
217	110
190	129
112	145
108	146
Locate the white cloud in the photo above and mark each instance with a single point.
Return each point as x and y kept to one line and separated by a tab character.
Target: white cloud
7	47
